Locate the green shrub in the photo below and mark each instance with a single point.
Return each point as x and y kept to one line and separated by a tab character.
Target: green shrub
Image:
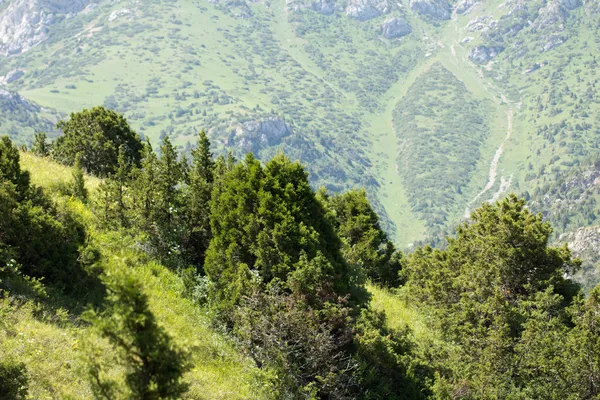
13	380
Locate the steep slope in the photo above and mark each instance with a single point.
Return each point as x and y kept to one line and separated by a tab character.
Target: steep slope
42	327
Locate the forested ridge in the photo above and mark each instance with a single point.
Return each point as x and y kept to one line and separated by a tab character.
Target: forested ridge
128	272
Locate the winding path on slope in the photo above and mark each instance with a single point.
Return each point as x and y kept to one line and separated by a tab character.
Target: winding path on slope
493	165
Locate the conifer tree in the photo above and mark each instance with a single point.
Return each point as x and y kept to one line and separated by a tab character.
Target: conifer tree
78	184
144	184
113	197
10	167
365	244
197	201
481	289
270	222
40	147
168	178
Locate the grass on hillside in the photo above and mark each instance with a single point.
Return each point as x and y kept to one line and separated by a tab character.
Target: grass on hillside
399	313
45	332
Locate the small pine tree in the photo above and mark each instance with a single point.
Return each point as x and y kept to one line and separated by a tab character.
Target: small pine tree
197	204
365	244
10	167
113	200
169	175
167	218
40	147
78	185
154	364
144	189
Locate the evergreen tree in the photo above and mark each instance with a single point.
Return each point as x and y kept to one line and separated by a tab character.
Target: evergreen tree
78	184
13	380
97	135
168	213
197	201
44	239
168	178
144	190
269	221
365	244
154	364
479	289
114	202
10	167
40	147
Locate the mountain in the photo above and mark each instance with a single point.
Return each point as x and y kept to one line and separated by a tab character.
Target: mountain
434	106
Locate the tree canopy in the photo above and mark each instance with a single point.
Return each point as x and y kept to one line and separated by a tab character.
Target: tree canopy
95	136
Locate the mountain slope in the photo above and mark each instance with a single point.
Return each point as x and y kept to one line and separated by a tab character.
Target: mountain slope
336	84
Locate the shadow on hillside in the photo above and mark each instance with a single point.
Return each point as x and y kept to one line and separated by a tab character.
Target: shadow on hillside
52	303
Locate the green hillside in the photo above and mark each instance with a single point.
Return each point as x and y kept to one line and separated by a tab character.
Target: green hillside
335	85
224	278
42	327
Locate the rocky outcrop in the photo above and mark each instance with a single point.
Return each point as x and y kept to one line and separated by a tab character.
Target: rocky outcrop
465	6
551	18
570	4
25	23
364	10
434	9
583	241
13	76
254	135
325	7
395	28
482	23
12	101
484	54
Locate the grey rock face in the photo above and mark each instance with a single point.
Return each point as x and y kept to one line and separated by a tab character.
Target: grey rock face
465	6
13	76
552	42
364	10
570	4
25	23
11	101
483	54
482	23
325	7
253	135
583	241
434	9
395	28
550	19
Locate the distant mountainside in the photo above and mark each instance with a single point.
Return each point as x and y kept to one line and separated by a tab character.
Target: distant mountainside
434	106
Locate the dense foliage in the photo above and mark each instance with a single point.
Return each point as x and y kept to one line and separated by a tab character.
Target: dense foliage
94	137
364	243
13	380
282	269
42	236
501	299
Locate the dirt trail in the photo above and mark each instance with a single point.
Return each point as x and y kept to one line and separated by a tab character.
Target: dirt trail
494	164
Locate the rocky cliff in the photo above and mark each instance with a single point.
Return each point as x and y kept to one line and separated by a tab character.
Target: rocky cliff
395	28
26	23
254	135
364	10
433	9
